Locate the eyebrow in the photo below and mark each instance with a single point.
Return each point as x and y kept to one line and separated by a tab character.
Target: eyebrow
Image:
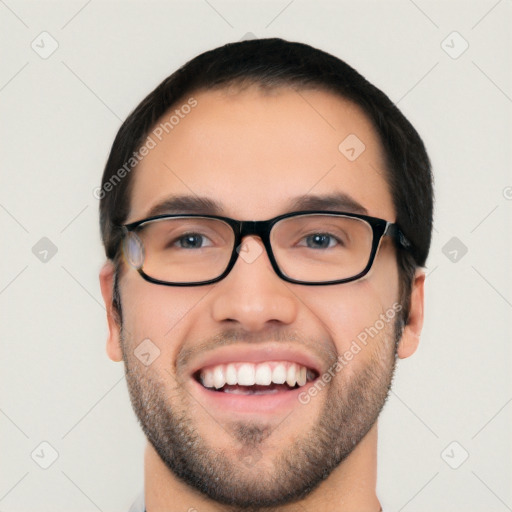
186	204
337	202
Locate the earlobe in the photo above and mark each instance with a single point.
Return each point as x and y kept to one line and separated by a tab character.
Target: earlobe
412	330
113	348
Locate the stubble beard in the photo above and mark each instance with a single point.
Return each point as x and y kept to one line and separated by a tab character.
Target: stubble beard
243	481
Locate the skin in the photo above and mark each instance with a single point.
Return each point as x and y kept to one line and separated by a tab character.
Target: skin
230	148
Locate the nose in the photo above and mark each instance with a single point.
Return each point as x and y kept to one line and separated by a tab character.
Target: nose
253	295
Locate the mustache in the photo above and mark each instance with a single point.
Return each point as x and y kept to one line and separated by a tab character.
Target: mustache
322	348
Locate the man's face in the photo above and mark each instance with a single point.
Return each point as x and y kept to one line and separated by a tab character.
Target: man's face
254	154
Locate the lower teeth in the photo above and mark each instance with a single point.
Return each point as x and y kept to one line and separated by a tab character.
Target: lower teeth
240	391
255	390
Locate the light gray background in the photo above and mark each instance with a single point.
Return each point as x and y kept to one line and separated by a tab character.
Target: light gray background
59	117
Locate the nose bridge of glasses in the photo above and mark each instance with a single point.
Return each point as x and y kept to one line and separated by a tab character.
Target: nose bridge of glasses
254	227
250	251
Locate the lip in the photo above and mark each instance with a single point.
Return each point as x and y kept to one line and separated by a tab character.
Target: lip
263	404
251	354
260	405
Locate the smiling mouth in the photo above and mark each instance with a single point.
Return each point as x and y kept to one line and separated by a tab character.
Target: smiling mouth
243	378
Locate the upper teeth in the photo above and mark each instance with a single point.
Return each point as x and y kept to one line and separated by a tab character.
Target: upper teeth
249	374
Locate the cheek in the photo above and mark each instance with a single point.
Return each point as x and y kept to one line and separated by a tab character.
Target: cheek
346	311
349	309
159	313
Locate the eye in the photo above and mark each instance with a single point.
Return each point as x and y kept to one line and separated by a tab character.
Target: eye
321	241
191	241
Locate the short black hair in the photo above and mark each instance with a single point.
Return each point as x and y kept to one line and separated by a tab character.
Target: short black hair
272	63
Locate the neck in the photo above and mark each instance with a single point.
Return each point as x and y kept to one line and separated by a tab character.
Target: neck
349	488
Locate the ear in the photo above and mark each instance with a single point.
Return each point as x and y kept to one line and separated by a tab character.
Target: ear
114	328
412	330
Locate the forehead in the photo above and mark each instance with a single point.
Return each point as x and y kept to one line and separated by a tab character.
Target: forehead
255	152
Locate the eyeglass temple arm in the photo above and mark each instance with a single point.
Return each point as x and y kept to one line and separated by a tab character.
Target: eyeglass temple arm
394	231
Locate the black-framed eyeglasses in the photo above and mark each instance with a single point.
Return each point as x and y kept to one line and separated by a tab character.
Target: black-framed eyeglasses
306	247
